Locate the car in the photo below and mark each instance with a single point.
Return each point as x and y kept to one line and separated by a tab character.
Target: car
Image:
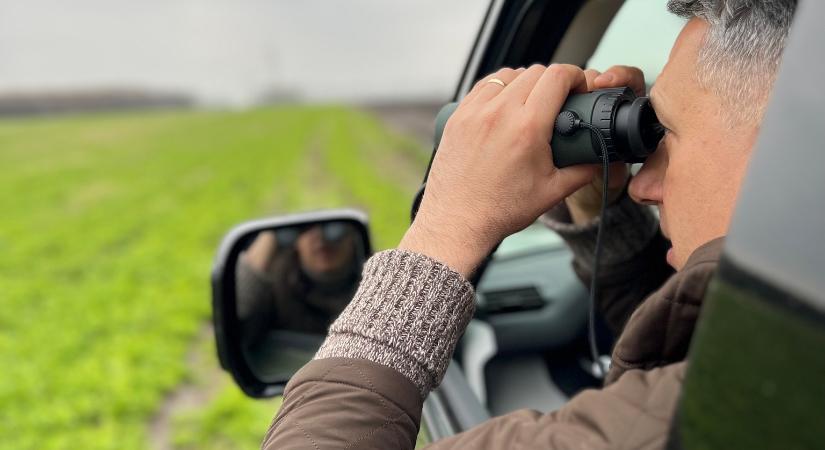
756	360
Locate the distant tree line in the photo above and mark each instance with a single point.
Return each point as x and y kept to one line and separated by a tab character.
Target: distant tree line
69	102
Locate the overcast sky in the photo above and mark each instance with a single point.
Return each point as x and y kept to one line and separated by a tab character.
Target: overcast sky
230	51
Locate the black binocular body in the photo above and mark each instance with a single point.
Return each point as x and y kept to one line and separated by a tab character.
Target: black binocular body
627	123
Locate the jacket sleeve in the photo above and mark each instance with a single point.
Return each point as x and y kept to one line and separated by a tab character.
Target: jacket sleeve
255	296
391	346
633	256
635	412
337	403
386	351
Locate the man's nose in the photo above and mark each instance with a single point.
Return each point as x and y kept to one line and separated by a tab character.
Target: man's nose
646	186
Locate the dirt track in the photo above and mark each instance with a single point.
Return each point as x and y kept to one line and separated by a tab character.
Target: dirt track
414	119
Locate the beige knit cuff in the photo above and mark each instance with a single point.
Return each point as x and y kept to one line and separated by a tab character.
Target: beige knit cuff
408	314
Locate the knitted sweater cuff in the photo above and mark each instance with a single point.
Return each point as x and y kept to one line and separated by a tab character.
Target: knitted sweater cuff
407	314
630	227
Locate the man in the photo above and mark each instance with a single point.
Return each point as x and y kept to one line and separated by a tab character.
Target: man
298	286
492	177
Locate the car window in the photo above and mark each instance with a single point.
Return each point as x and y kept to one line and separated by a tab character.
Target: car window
641	34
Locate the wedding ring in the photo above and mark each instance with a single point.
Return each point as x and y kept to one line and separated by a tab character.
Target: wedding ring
497	81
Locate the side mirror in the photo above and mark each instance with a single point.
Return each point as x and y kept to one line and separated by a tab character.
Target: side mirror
277	285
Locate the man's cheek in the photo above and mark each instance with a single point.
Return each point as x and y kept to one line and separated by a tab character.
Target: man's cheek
666	206
675	219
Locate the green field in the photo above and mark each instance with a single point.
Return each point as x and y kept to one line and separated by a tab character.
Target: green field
109	224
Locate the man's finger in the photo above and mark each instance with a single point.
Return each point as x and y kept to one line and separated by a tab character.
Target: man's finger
520	88
618	175
490	90
590	75
618	76
482	83
568	180
551	90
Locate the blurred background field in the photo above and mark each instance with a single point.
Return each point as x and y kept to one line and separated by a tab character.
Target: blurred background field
133	135
109	226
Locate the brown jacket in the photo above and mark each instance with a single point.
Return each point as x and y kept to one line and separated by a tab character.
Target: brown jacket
354	401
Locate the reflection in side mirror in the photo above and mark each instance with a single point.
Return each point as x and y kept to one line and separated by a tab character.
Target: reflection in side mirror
290	284
278	285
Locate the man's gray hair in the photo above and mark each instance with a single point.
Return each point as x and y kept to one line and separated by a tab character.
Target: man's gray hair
740	56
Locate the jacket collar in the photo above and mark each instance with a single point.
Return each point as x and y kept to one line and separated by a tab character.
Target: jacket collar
660	329
710	251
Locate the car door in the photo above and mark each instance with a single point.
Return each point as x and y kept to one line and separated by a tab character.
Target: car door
757	366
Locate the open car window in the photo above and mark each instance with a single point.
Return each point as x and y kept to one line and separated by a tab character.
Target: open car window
641	35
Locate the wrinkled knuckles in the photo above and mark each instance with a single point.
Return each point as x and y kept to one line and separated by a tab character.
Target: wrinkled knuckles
479	84
557	71
505	71
483	82
534	70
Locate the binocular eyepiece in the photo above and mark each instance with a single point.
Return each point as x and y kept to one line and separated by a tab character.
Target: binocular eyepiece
628	124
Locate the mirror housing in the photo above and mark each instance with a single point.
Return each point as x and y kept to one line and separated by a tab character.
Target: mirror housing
231	337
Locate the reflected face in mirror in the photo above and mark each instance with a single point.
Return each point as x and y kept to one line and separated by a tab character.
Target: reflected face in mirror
291	283
326	251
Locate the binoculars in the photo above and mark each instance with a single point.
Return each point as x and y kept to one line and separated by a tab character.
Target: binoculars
628	124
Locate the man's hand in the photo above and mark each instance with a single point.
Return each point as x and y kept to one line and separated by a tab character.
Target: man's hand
493	173
262	251
585	204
